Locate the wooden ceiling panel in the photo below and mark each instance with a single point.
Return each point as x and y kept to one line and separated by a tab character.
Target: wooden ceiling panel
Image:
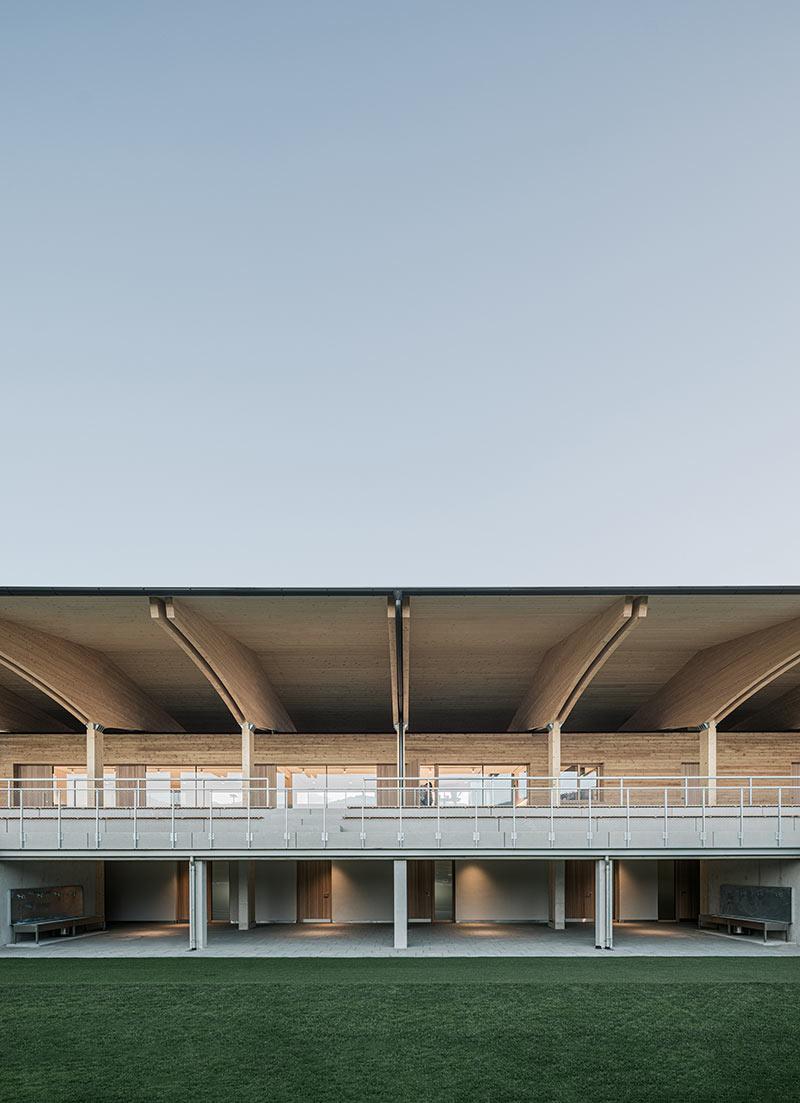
472	658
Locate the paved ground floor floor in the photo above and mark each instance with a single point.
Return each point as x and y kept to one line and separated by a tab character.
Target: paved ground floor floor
424	940
378	906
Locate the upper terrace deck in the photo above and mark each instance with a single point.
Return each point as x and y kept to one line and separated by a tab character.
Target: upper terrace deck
391	816
683	705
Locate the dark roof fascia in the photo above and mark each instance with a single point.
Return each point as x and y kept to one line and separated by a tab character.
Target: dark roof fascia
411	591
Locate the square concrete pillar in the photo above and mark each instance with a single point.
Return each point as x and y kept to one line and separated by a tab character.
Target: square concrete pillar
198	904
557	903
95	764
401	905
233	893
246	891
604	904
708	761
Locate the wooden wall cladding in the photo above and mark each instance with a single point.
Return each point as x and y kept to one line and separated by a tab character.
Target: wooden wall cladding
619	752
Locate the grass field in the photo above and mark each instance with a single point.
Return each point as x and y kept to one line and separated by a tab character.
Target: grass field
443	1029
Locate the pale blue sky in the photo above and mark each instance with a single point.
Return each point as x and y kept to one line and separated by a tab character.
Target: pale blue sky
400	293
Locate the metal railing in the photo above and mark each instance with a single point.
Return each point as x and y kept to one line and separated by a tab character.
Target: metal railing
533	813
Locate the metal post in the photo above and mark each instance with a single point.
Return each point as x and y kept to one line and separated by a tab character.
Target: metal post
628	816
513	821
703	816
666	816
201	909
621	787
285	816
325	813
600	913
589	833
21	819
136	816
552	832
249	831
58	821
609	903
779	835
192	906
172	839
363	837
97	819
438	818
400	835
210	823
741	815
750	787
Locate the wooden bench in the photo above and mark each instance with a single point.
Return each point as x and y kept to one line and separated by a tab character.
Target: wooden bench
63	923
745	922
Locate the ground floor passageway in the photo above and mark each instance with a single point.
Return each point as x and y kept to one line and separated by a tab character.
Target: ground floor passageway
376	907
424	940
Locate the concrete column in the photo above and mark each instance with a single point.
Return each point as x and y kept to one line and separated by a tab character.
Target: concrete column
554	758
557	880
604	904
198	904
95	763
401	905
246	891
708	760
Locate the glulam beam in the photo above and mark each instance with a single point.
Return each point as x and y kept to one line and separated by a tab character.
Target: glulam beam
782	715
570	665
19	715
81	680
399	665
718	679
233	669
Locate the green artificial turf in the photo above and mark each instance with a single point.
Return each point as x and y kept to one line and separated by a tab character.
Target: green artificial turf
370	1029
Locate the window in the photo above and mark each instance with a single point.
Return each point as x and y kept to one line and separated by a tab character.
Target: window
578	782
345	786
193	786
485	784
71	789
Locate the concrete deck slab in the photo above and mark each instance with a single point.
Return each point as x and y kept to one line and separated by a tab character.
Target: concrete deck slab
424	940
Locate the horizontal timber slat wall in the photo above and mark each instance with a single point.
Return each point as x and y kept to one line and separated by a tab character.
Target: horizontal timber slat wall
618	752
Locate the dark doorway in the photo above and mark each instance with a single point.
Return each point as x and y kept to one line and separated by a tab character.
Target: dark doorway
431	891
421	890
687	890
314	892
678	890
579	890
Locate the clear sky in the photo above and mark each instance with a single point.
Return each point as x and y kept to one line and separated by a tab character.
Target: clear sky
399	293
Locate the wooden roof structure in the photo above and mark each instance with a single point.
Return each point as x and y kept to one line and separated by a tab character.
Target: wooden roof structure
471	660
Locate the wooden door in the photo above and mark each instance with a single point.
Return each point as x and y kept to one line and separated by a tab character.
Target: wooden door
34	782
182	900
314	891
579	890
385	772
420	889
131	786
687	889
